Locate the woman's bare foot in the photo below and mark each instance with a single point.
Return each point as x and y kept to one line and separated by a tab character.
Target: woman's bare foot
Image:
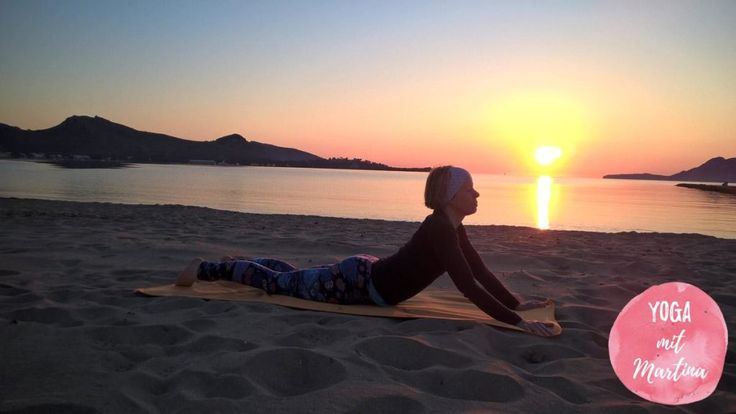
189	274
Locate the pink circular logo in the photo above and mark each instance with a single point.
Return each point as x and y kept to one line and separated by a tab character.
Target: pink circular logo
668	344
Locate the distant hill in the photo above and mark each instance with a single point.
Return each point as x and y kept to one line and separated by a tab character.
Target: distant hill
98	138
716	169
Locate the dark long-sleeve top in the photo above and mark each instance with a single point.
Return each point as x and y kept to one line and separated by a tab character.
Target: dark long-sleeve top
437	247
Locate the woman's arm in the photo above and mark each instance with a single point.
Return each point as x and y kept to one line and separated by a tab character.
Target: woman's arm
451	256
482	274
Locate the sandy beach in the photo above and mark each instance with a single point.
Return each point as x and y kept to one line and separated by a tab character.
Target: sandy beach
76	338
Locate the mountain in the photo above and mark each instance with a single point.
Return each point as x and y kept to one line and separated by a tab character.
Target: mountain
99	138
716	169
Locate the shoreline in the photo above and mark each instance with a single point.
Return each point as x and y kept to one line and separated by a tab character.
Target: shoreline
113	203
77	338
710	187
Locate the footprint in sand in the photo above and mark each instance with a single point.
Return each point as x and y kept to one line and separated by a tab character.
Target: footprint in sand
312	336
220	308
408	354
562	387
130	275
9	290
293	371
136	354
98	314
211	343
614	386
65	294
539	353
110	297
50	316
335	320
389	404
139	381
200	325
298	318
203	385
10	294
162	335
421	325
465	384
171	304
119	361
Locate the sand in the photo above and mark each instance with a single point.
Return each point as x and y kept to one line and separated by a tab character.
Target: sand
76	338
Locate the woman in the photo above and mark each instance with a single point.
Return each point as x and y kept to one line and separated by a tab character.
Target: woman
439	245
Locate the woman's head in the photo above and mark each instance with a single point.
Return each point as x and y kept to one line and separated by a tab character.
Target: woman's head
450	187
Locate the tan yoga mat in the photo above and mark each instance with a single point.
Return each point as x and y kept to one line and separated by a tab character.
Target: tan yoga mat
430	303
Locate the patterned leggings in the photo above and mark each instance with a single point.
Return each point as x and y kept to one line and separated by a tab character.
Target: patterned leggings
347	282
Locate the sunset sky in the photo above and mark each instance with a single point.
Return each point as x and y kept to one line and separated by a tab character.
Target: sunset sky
620	86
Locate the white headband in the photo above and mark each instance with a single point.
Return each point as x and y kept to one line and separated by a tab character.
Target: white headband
458	176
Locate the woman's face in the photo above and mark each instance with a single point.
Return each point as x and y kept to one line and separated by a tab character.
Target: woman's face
465	200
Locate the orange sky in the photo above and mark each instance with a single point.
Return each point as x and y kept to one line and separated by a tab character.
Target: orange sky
618	87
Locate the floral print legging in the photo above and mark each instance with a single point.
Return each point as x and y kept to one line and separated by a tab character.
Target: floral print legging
346	282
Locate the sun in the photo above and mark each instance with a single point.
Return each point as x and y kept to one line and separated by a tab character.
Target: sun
525	122
546	155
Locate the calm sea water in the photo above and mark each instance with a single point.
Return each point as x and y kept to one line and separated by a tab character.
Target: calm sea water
544	202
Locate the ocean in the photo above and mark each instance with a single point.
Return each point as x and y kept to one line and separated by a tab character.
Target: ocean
544	202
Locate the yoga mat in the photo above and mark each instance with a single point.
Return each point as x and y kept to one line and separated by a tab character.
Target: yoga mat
430	303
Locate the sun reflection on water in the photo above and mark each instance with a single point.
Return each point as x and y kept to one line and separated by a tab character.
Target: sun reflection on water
544	194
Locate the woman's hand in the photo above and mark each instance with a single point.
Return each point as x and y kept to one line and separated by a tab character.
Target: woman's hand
533	304
536	327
